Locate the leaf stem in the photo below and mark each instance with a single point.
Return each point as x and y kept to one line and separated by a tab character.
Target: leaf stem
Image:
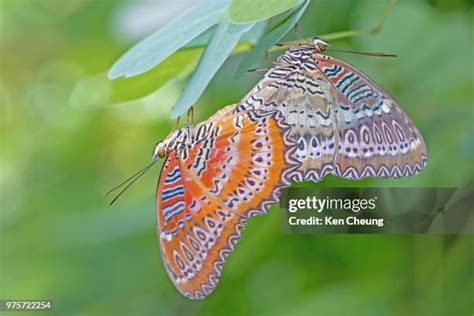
376	28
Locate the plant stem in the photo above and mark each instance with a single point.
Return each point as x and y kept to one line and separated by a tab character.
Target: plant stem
376	28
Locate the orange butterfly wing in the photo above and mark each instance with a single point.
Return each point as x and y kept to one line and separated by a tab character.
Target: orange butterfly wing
234	169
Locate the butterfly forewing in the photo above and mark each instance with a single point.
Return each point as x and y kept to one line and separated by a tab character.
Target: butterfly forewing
234	168
306	99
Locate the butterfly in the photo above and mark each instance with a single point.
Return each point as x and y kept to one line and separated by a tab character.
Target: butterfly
343	123
216	176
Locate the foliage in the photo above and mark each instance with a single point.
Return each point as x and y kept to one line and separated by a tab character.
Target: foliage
246	11
98	90
272	37
234	21
220	46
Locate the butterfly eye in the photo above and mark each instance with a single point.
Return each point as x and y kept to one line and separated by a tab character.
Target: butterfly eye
322	47
161	152
320	44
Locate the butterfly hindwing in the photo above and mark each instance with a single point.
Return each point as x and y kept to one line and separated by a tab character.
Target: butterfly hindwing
233	169
375	138
342	122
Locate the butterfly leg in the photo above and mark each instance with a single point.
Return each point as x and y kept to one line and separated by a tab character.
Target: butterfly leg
175	125
190	116
265	55
301	40
258	69
298	34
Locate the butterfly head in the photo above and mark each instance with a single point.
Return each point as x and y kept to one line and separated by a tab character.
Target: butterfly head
160	151
175	141
319	44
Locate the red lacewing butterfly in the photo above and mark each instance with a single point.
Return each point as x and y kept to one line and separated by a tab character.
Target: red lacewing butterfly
342	122
215	177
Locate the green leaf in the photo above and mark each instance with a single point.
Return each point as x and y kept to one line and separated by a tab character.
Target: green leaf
203	39
255	33
221	45
98	91
251	36
271	38
157	47
246	11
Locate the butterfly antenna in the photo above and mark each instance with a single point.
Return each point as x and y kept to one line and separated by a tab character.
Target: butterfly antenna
374	54
175	124
128	182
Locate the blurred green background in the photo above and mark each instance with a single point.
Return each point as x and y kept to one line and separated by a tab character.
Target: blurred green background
59	239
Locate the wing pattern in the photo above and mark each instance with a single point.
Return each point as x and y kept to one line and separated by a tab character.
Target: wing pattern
375	137
342	123
232	169
310	116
